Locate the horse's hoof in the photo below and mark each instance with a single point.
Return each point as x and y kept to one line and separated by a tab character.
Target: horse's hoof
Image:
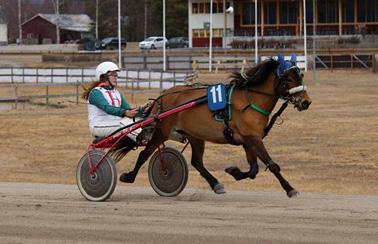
236	173
292	193
127	178
219	189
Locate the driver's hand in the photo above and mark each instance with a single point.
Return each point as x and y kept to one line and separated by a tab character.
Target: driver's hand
131	112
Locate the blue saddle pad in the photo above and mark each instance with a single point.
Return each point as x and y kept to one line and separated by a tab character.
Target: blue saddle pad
216	97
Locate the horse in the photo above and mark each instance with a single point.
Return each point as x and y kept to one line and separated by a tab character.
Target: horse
255	94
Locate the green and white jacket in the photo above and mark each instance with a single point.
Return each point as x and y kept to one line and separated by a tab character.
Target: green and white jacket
106	104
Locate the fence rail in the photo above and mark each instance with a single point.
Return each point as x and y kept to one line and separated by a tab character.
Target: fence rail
21	78
70	75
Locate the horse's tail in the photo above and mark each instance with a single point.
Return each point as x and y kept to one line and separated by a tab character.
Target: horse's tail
120	150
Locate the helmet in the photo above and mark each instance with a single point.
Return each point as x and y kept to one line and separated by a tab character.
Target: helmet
104	68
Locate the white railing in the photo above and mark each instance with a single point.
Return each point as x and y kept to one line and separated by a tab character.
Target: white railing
139	78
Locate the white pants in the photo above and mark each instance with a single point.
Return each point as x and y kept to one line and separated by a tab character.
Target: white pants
106	128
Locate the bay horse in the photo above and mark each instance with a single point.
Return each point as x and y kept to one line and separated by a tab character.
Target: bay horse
255	95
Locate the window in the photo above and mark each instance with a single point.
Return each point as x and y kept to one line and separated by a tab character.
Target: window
201	8
248	13
195	8
367	10
204	8
206	33
288	12
348	11
270	13
309	11
328	11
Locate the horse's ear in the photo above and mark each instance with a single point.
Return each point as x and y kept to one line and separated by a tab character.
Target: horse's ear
293	59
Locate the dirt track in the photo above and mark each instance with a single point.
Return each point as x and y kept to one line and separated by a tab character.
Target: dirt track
37	213
331	148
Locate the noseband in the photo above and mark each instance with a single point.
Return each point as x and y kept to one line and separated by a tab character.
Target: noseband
283	90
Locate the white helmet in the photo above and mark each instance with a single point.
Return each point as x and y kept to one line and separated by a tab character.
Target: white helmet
104	68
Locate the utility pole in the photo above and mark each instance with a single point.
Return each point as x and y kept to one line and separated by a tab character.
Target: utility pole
56	3
314	41
164	54
145	19
19	23
96	20
225	23
119	36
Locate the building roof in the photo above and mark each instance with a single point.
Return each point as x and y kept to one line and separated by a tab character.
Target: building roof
72	22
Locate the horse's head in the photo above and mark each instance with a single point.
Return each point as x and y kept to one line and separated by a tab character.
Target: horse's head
290	86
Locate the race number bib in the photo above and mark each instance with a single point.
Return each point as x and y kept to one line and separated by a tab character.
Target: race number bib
216	97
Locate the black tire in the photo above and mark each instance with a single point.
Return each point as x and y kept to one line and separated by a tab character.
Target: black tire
153	46
171	181
101	185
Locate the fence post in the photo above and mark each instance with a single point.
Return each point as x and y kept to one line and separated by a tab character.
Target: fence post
149	79
161	81
66	75
132	90
23	75
375	63
82	75
331	63
194	65
138	79
174	78
52	75
244	64
77	93
47	96
12	80
37	75
16	94
127	79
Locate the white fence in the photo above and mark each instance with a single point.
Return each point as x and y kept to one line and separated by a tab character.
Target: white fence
138	78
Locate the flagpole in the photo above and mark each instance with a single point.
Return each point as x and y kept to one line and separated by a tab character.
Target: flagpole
305	33
211	36
119	35
164	54
256	30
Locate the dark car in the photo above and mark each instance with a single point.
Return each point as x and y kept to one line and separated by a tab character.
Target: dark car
110	43
178	42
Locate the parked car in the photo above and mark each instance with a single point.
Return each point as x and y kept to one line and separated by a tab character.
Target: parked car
110	43
153	42
178	42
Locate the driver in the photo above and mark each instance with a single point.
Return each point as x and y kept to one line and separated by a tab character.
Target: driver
108	109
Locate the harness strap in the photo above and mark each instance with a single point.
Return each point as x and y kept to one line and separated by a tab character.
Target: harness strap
274	118
257	108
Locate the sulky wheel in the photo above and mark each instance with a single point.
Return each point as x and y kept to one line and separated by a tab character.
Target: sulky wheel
168	178
100	185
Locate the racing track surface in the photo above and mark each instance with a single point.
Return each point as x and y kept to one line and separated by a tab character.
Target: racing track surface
38	213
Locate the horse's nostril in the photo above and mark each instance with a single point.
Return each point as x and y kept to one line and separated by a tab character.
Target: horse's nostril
306	104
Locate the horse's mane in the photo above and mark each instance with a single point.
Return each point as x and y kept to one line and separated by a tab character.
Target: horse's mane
256	75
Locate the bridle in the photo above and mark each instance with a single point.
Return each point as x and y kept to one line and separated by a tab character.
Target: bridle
283	90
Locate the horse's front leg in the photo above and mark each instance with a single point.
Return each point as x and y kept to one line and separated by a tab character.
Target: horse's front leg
253	166
257	145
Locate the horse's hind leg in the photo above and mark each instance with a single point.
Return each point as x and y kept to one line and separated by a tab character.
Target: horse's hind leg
257	145
198	147
253	166
156	140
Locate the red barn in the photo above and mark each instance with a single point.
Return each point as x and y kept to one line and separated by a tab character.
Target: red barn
42	28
